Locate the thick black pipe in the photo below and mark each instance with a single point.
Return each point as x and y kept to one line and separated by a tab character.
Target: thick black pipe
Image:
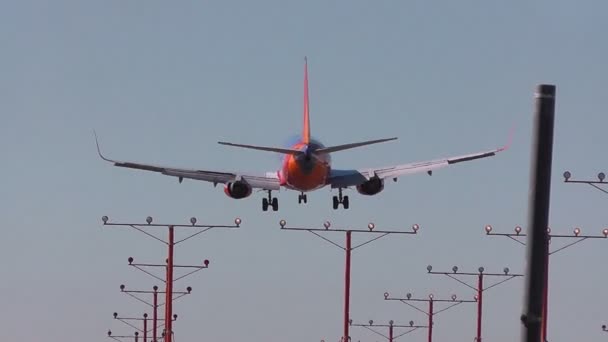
538	211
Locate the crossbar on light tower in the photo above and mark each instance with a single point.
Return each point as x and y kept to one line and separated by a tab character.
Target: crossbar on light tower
120	338
594	183
347	249
145	330
430	312
170	243
391	326
576	234
479	289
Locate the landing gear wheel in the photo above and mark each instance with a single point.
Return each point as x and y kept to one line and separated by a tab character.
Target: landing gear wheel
340	199
275	204
302	198
270	201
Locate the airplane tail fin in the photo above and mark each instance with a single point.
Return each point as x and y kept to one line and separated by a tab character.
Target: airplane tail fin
337	148
306	132
306	123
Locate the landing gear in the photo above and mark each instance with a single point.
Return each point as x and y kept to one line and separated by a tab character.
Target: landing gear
270	201
302	198
340	199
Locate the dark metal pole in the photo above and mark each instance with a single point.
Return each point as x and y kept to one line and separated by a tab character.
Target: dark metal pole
390	333
347	287
479	305
431	320
546	297
538	211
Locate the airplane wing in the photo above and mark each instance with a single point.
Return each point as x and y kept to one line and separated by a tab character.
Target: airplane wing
348	178
267	181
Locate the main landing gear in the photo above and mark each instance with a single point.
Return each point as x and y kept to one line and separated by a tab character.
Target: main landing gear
272	201
302	198
340	199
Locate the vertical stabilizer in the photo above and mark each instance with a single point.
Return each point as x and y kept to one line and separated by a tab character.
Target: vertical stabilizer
306	126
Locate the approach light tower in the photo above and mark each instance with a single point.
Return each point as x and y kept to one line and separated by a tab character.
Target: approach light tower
430	312
576	235
391	327
348	250
155	305
479	289
145	330
169	267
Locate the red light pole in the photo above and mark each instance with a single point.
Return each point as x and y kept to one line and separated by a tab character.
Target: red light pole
169	279
391	326
480	287
348	250
155	305
431	309
577	235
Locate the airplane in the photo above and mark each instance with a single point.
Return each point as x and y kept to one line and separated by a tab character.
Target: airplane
306	166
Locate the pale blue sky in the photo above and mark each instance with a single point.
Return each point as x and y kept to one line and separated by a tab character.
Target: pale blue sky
163	82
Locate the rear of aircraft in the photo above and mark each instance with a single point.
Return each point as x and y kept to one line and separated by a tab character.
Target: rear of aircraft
305	145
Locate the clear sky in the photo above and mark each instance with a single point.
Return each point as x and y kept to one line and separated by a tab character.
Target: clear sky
162	82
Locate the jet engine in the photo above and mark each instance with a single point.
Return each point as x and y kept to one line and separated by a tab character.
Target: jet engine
237	190
371	187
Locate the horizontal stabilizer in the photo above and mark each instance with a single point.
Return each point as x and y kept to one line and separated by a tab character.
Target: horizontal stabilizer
264	148
336	148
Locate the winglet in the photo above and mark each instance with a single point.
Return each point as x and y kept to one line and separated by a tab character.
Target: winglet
508	144
99	150
306	124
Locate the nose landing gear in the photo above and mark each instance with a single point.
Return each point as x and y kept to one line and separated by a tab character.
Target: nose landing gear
302	198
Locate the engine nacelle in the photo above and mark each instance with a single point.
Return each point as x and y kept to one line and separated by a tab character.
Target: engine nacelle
371	187
237	189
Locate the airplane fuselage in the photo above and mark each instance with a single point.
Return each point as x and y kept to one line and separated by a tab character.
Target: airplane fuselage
305	172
